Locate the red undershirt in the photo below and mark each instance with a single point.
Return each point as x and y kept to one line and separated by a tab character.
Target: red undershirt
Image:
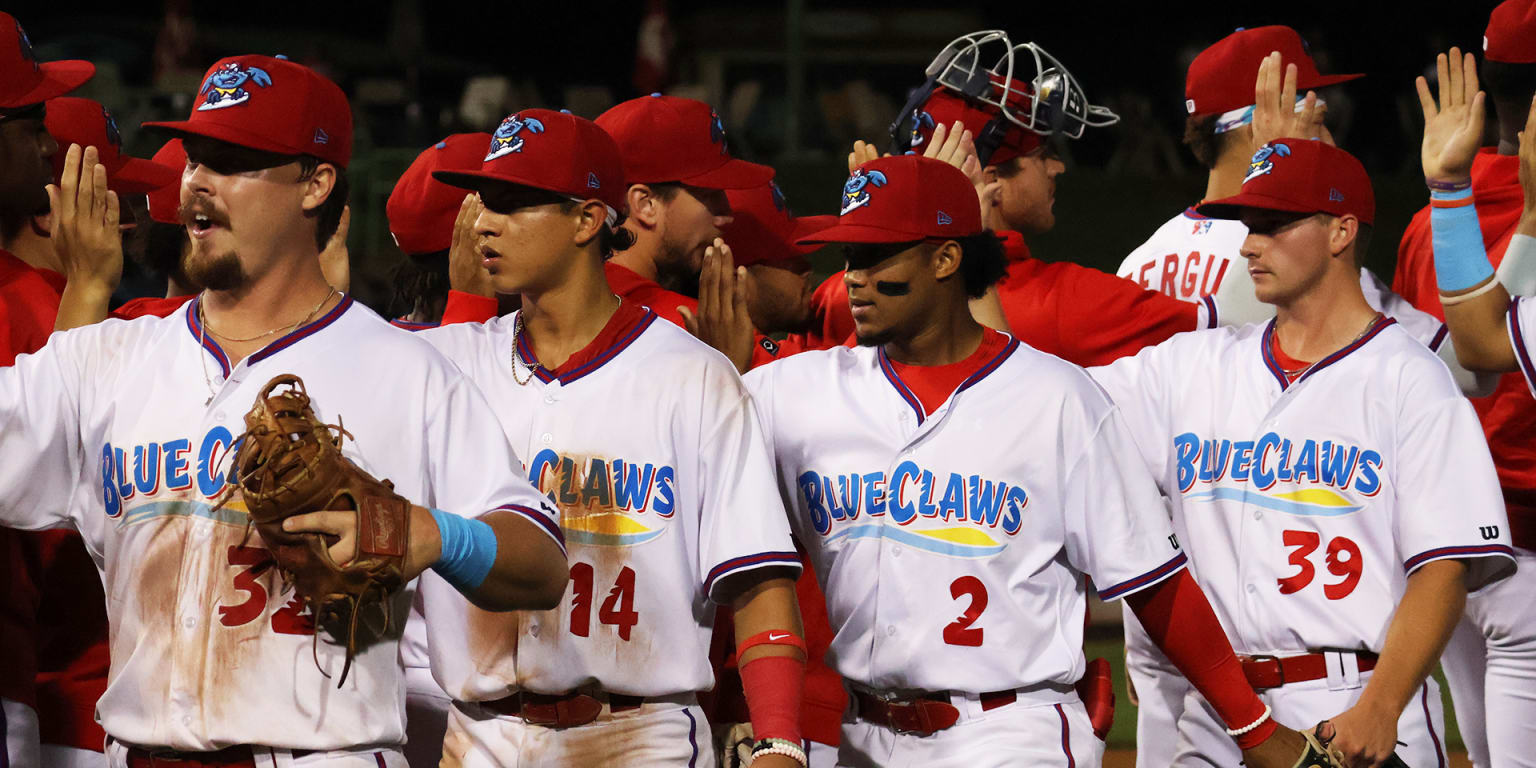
624	319
1286	362
933	384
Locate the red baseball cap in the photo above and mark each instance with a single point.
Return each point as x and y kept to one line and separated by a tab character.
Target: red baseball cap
165	202
1511	33
421	209
1221	78
944	107
1302	176
273	105
549	150
85	122
671	139
903	198
24	80
764	231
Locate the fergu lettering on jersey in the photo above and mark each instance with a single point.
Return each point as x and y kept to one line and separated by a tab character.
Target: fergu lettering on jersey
605	501
1273	459
911	492
143	471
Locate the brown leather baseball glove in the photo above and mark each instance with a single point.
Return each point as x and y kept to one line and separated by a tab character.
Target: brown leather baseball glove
289	463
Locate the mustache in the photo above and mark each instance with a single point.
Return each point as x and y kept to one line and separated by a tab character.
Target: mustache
200	206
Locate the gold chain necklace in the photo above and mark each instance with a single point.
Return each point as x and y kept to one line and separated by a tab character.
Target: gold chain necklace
1293	374
202	328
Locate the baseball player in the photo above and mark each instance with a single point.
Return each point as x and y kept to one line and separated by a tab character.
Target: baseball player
28	294
1310	462
668	509
1490	662
423	213
951	522
121	430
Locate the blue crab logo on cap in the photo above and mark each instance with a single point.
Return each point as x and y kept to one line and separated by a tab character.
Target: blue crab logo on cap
1264	160
856	190
779	203
113	134
226	86
24	47
717	131
921	121
507	140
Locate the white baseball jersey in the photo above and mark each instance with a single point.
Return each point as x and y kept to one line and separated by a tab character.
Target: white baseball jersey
1191	256
208	647
951	546
653	453
1305	506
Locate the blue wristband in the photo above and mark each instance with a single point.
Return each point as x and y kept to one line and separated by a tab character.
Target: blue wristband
469	550
1461	261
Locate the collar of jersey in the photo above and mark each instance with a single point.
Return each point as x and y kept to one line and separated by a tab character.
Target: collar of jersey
288	340
1279	373
1191	213
917	405
525	351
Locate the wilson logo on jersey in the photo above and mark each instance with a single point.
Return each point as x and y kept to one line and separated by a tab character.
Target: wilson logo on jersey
1330	468
168	472
919	503
607	502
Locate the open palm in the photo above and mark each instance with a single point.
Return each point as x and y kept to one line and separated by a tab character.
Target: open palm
1453	129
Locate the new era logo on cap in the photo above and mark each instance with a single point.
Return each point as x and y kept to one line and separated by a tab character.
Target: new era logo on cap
592	182
321	137
1335	196
944	219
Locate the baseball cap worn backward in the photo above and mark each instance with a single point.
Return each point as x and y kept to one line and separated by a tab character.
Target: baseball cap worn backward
421	209
1300	176
1511	34
944	107
270	104
667	139
1221	78
763	230
24	80
901	199
85	122
554	151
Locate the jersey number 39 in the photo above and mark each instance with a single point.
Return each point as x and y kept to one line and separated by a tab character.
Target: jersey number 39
1342	559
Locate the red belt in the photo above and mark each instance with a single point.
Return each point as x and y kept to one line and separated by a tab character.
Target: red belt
560	710
924	715
238	756
1265	672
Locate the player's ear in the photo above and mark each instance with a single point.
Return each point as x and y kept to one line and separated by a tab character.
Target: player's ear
645	206
1342	232
946	259
318	187
590	215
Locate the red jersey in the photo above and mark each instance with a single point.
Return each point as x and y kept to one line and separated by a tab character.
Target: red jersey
1509	414
149	307
833	323
1077	313
29	299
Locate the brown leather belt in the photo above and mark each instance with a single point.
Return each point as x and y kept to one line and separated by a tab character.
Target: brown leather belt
560	710
1264	672
238	756
924	715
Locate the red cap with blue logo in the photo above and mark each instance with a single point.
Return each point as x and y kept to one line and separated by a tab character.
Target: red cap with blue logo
1300	176
1221	78
666	139
945	106
421	209
72	120
553	151
270	104
24	80
1511	34
903	198
764	231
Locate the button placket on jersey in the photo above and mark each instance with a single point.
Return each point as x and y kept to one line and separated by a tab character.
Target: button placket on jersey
1252	529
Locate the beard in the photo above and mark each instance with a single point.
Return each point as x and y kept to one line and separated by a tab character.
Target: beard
675	270
874	339
218	272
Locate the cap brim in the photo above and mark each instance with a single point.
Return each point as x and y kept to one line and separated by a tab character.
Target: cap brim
182	129
138	176
1232	207
810	226
734	174
59	78
1323	81
859	233
478	180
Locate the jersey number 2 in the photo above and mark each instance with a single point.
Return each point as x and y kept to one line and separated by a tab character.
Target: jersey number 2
1342	558
960	631
618	610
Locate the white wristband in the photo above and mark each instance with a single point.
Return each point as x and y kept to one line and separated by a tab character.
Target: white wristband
1451	301
1252	725
781	747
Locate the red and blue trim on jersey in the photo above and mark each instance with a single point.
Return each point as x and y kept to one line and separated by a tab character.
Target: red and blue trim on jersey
544	522
1522	351
196	328
1191	213
525	351
1275	369
1066	737
750	562
990	366
1441	553
304	332
1429	721
411	325
916	403
1439	338
1212	320
1145	580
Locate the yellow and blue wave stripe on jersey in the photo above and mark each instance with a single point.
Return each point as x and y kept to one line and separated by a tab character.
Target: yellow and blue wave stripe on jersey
525	351
912	400
1265	349
610	502
1146	579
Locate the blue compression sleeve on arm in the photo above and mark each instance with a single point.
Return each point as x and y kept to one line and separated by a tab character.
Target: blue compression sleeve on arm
1461	261
469	550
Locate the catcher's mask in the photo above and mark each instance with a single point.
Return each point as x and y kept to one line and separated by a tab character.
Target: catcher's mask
1025	86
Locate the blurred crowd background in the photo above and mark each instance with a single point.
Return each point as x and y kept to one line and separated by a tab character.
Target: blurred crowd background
796	81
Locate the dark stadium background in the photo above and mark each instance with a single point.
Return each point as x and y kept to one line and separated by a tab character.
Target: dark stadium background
405	63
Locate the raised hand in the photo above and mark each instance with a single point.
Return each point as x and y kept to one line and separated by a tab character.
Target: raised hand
465	272
721	320
85	230
862	153
1275	113
1453	128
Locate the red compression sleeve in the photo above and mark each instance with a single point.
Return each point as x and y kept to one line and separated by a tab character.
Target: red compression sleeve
1201	651
773	685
